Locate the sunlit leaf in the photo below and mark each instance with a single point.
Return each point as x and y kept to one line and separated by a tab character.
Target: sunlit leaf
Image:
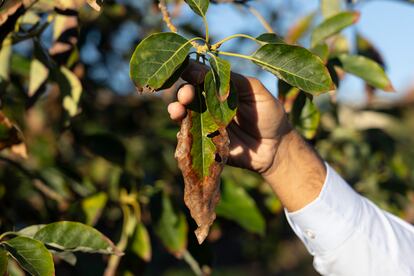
71	87
94	5
92	207
74	236
38	75
31	255
238	206
299	29
333	25
31	230
200	7
222	70
331	7
156	59
295	65
8	8
366	69
305	116
141	243
221	111
5	57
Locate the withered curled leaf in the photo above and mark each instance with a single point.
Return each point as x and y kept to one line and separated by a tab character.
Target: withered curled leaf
202	151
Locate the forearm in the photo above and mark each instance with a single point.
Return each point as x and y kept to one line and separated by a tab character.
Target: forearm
297	174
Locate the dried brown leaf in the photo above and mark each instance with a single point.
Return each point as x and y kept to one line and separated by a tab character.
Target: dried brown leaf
201	194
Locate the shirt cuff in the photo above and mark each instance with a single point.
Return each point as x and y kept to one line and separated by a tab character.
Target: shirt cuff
328	221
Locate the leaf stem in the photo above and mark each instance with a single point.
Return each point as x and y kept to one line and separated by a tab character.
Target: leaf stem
262	20
237	55
218	44
207	31
195	267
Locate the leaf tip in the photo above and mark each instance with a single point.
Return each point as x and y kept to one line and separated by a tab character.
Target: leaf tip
357	16
389	88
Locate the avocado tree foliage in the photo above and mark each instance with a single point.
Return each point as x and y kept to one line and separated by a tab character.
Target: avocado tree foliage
202	150
71	150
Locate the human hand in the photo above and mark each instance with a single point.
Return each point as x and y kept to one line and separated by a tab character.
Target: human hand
258	128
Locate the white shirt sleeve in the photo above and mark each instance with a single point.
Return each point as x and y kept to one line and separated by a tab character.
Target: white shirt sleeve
348	235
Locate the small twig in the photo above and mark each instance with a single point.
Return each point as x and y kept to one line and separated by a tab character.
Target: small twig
39	183
166	16
195	267
262	20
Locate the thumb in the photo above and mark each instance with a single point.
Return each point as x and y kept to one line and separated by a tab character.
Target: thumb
195	72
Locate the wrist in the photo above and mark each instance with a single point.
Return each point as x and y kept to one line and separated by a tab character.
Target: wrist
297	173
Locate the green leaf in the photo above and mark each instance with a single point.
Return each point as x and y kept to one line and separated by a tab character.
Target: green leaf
238	206
305	116
71	88
295	65
203	149
3	261
221	112
31	255
92	207
31	230
299	29
141	243
200	7
331	7
366	69
38	76
322	51
172	228
222	72
156	59
333	25
270	38
75	236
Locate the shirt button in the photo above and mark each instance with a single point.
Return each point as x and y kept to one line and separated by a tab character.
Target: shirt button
310	234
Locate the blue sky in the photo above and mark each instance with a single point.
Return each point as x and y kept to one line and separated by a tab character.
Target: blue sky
389	25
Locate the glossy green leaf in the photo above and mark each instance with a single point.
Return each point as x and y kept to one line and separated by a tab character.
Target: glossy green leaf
38	75
270	38
331	7
366	69
156	59
200	7
222	72
92	207
31	230
75	236
333	25
172	228
299	29
305	116
141	243
237	205
3	261
31	255
295	65
221	112
322	51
